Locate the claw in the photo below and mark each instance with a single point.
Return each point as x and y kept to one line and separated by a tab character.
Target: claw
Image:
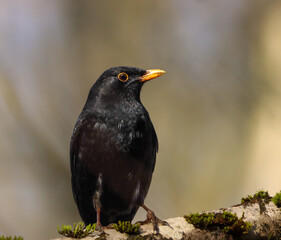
151	218
99	227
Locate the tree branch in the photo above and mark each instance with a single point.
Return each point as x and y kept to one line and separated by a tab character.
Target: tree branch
264	217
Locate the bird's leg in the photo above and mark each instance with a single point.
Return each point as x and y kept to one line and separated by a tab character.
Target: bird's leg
151	218
99	226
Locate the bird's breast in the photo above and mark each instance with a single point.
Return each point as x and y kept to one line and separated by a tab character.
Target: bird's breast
131	133
123	132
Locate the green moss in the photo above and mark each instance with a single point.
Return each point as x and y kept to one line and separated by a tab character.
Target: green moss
263	197
229	217
258	196
202	220
262	194
240	227
11	238
127	227
226	221
277	199
247	199
78	230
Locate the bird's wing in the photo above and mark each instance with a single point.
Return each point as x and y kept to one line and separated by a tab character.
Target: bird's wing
74	144
155	146
84	141
81	175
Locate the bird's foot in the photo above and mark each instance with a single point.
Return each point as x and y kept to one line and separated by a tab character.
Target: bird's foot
99	227
151	218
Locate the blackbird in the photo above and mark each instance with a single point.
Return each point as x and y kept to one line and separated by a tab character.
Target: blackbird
113	149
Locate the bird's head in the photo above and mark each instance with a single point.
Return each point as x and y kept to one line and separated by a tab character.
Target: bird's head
120	84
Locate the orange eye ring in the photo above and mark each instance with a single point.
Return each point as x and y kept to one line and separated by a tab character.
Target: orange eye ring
123	77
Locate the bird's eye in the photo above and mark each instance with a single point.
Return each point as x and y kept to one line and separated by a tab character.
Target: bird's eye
123	77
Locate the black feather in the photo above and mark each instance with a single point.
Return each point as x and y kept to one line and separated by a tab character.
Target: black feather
113	149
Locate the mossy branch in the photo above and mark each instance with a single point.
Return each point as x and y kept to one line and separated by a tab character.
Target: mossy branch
257	217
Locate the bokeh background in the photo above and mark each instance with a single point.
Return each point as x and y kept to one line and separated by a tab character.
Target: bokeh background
217	111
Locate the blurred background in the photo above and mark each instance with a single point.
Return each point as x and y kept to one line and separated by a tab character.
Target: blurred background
217	111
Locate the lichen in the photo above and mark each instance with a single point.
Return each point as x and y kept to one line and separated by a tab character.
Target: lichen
277	199
226	221
11	238
78	230
127	227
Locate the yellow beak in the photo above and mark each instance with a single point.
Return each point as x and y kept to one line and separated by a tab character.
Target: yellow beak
152	73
